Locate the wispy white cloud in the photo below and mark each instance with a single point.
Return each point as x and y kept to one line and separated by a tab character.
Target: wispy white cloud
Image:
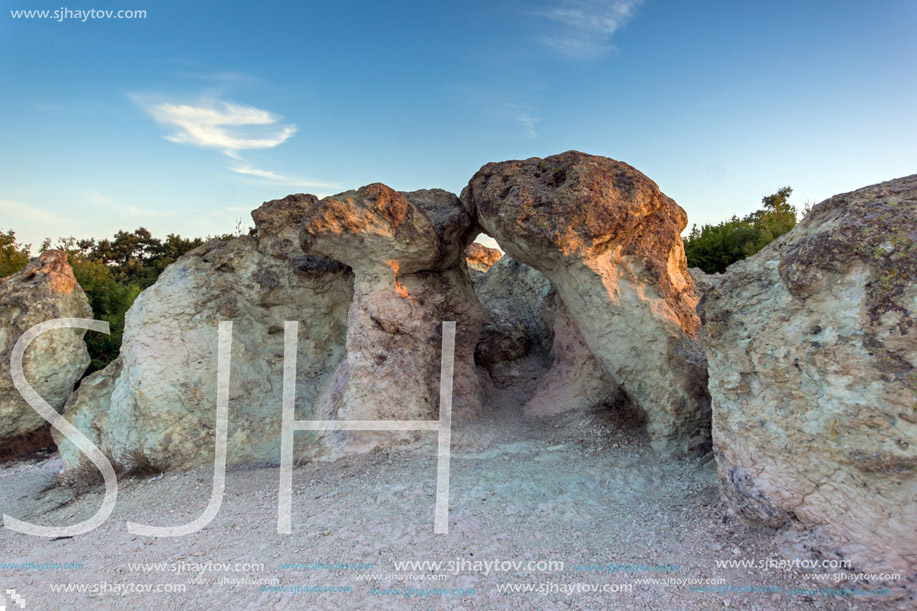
24	212
584	28
97	199
527	121
31	223
279	179
509	113
227	127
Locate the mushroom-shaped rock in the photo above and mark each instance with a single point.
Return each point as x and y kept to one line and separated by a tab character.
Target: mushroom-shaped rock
609	241
43	290
406	251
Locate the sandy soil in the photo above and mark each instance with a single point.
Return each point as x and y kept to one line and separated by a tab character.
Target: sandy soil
570	489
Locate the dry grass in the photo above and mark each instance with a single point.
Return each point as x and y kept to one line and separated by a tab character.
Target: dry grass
87	476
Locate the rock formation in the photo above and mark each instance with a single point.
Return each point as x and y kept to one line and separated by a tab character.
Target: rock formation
609	241
812	348
44	290
702	280
576	379
156	404
480	258
406	251
811	342
520	307
526	322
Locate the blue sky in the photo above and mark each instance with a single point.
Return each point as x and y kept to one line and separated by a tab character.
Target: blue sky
188	119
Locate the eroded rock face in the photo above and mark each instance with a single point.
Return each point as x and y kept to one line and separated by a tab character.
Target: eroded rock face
44	290
812	348
156	404
526	321
702	280
520	307
576	379
406	251
480	258
609	241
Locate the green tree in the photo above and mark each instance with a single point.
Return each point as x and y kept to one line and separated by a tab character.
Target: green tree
714	247
110	301
13	255
112	272
136	258
108	298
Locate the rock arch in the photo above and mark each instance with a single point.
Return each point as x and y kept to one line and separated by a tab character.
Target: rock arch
609	241
389	267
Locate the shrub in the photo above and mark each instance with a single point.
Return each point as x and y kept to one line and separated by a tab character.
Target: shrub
714	247
13	255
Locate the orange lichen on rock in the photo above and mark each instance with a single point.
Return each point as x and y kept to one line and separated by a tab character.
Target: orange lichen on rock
399	288
53	264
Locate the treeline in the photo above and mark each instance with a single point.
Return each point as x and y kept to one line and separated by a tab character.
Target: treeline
111	273
714	247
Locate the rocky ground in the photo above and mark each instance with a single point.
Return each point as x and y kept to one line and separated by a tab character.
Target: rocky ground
582	491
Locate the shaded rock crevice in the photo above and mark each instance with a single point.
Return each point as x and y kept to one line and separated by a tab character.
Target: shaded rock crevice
609	242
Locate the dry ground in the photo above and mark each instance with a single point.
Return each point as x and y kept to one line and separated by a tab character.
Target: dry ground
571	489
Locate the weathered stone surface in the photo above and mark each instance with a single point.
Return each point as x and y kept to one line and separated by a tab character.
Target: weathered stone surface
702	280
44	290
812	347
279	223
406	250
526	320
88	409
520	305
480	258
609	241
576	380
157	403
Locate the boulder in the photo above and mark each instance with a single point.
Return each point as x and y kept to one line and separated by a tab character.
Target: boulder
155	406
480	258
43	290
812	348
609	241
406	251
520	305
